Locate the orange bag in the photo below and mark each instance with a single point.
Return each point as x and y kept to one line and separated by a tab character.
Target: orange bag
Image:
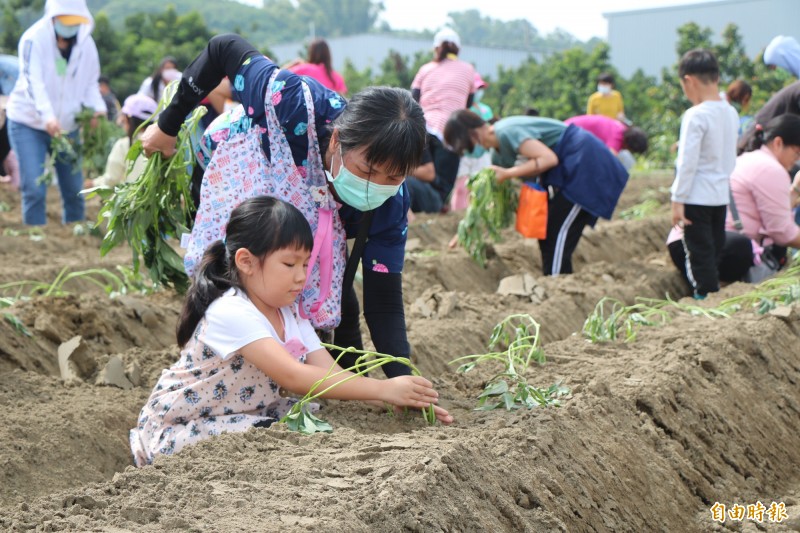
532	212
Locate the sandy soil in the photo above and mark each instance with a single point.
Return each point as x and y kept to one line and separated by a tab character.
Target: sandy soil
654	433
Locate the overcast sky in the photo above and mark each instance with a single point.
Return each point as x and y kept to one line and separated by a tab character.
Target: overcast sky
582	18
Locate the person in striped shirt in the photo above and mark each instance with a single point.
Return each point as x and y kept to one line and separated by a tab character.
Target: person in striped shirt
441	87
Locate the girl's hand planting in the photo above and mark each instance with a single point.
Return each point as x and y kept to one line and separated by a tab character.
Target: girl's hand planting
414	391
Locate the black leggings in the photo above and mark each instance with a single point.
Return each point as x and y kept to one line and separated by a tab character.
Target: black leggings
734	261
565	223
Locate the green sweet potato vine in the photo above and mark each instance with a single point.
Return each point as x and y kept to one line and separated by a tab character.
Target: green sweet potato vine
492	207
156	207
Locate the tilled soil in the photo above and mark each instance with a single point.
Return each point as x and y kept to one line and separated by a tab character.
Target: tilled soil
654	432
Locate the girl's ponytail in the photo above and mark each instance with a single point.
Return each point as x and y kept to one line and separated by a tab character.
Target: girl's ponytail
211	280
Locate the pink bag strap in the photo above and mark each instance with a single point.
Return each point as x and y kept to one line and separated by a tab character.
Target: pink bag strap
323	249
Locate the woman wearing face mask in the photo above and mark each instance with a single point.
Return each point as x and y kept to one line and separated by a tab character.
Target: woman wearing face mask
58	74
362	150
165	72
607	100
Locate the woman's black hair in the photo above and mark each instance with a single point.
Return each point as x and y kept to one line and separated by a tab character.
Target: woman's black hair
635	140
319	53
262	225
156	78
786	126
444	49
458	130
389	124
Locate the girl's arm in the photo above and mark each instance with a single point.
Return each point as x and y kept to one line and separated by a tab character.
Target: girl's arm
272	359
540	159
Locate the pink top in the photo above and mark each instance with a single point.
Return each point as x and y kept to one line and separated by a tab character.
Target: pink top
317	71
608	130
760	187
444	87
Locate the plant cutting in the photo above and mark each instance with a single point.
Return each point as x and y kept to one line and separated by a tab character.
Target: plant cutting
492	207
299	418
156	207
519	335
606	324
63	150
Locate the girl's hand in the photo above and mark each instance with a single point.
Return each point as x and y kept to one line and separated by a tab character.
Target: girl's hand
409	391
502	174
154	140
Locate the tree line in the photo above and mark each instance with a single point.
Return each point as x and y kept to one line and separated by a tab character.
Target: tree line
557	86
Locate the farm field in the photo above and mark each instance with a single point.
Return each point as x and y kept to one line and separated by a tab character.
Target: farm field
655	431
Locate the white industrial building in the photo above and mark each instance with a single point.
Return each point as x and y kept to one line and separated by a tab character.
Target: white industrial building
370	50
646	38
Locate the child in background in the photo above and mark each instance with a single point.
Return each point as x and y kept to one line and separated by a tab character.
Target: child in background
706	158
134	112
242	340
607	100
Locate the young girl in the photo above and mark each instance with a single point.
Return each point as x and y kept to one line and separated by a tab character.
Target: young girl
242	340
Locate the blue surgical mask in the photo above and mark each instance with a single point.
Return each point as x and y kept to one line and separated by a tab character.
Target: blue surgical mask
357	192
478	96
67	32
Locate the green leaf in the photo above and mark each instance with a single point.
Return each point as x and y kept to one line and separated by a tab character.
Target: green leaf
494	389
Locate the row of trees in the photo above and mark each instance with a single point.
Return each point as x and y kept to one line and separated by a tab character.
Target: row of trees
279	21
558	86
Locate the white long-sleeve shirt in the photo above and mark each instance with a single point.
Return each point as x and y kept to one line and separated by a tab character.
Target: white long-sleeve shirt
706	154
41	93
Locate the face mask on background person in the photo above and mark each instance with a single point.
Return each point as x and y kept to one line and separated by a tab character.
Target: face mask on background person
602	88
358	192
478	96
66	31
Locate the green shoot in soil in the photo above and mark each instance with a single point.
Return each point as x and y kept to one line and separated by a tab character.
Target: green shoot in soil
519	334
19	327
492	207
783	289
111	284
641	210
299	418
610	324
154	208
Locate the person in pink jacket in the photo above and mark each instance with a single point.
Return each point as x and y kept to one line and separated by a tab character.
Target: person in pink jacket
319	67
764	197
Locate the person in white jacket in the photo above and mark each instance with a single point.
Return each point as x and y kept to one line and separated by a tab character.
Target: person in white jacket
59	68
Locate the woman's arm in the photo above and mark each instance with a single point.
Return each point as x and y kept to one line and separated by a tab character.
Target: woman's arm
540	160
222	57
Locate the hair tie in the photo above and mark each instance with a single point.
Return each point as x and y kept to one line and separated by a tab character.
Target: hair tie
759	127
